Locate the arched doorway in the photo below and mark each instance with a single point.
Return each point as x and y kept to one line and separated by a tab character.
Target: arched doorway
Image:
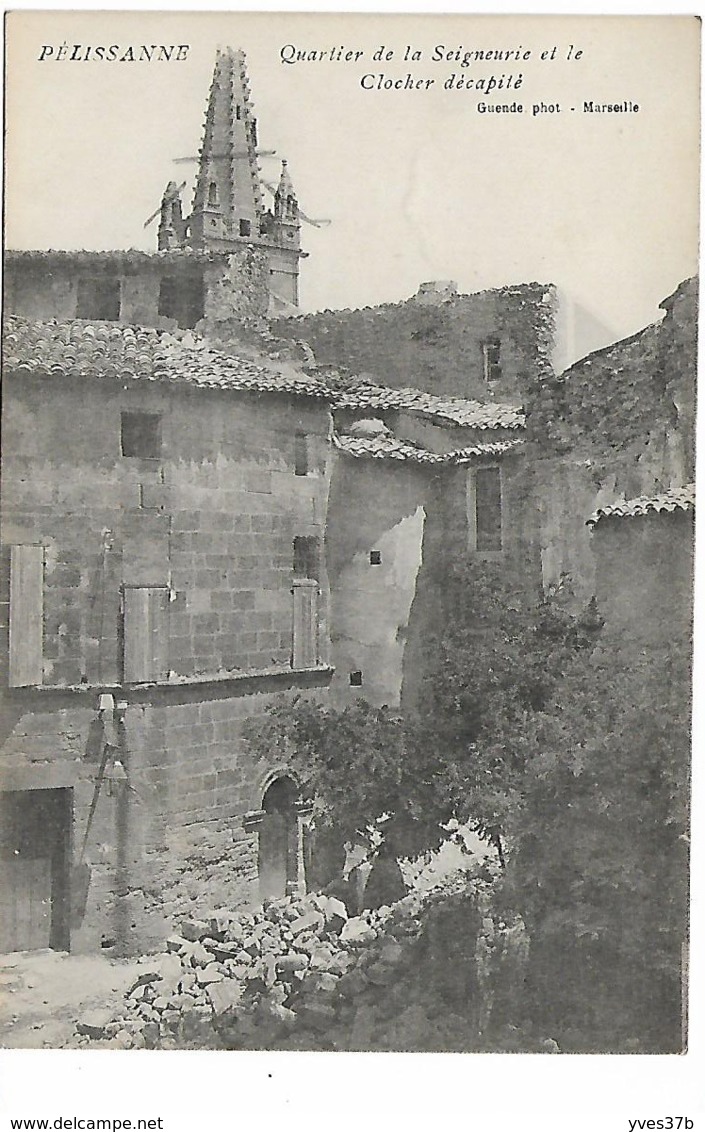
279	840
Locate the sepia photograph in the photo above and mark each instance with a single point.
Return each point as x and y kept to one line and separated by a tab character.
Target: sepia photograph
346	532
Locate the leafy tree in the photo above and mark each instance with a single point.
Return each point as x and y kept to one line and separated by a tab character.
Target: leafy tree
358	768
499	660
462	752
600	862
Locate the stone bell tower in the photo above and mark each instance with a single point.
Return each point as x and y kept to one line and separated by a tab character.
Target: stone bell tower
228	210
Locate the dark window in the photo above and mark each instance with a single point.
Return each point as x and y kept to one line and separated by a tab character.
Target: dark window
238	111
141	435
306	557
300	454
375	558
182	299
491	359
168	297
98	298
356	679
488	509
245	227
212	195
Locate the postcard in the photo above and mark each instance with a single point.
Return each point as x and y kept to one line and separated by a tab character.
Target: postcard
347	520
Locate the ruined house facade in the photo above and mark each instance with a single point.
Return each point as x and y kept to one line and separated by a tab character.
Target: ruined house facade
189	535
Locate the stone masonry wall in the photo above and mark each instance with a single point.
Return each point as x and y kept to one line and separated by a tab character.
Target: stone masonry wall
236	287
439	347
214	521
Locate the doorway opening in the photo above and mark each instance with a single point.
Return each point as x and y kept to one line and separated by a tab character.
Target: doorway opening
35	861
279	840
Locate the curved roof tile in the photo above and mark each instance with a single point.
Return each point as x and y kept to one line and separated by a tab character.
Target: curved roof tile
389	448
677	499
105	349
454	410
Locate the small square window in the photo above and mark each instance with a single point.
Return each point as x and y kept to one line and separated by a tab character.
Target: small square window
306	557
356	679
141	435
98	298
375	558
245	227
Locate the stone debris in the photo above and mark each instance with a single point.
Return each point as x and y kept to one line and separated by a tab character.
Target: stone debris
251	980
298	973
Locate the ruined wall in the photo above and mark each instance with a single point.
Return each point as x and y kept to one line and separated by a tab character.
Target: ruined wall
238	290
677	362
618	424
617	409
235	287
439	347
374	506
213	520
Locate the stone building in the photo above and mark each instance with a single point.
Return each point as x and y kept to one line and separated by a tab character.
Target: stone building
228	210
231	257
163	579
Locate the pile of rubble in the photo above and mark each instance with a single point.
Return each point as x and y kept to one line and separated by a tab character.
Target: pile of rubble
281	977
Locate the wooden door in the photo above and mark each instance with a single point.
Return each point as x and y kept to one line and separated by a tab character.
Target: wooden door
35	831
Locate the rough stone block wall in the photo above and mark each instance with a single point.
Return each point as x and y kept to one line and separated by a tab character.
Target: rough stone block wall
439	348
240	290
172	836
214	520
627	411
236	288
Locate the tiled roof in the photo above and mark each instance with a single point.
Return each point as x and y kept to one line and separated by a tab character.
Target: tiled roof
389	448
677	499
454	410
109	349
106	349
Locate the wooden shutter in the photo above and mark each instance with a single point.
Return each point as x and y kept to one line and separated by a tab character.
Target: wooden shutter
26	615
305	650
146	624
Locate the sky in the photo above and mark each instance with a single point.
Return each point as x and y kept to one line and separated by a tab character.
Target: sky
417	184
